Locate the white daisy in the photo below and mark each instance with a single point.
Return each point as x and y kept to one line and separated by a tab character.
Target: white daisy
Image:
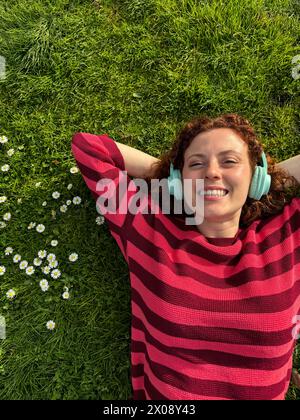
63	208
42	253
44	203
74	170
3	198
10	152
55	274
100	220
56	195
2	225
69	202
40	228
7	216
46	269
31	225
17	258
53	264
76	200
3	139
69	186
5	168
2	270
66	295
30	270
50	325
23	264
10	294
44	285
37	262
73	257
8	250
54	242
51	257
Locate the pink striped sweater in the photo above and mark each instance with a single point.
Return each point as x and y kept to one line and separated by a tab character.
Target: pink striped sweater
211	318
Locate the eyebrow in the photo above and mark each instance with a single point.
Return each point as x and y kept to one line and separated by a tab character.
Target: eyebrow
224	152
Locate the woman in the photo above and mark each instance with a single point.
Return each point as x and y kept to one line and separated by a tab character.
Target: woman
214	305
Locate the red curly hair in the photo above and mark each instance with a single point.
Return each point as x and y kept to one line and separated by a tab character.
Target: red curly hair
283	186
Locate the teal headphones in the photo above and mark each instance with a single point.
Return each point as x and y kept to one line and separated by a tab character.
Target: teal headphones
260	184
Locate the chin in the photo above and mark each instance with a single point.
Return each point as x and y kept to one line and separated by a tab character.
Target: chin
214	217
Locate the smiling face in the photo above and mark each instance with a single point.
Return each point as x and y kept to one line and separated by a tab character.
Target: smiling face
222	161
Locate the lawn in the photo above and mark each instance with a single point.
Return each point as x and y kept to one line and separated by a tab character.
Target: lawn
136	70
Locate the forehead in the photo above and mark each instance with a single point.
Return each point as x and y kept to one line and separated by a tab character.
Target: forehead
217	140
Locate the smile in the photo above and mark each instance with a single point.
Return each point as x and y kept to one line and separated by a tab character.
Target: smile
213	194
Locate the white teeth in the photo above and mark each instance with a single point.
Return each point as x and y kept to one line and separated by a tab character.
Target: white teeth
217	193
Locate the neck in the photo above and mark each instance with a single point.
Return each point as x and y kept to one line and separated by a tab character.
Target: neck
218	230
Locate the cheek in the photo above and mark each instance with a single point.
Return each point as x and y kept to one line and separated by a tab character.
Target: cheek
186	173
241	183
189	178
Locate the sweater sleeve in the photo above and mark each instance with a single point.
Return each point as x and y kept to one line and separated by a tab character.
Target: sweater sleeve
103	169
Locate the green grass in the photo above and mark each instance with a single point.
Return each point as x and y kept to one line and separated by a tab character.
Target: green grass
136	70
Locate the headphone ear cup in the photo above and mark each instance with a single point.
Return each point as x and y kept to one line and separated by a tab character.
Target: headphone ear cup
254	184
260	184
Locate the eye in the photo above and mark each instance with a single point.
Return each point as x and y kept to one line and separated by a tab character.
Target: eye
227	161
194	164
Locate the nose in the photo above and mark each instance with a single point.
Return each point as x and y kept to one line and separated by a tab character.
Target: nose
212	170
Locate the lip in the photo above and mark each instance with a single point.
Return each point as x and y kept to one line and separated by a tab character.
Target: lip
214	188
211	198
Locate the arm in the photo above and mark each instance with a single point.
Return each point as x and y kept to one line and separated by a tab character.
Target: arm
137	163
292	165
